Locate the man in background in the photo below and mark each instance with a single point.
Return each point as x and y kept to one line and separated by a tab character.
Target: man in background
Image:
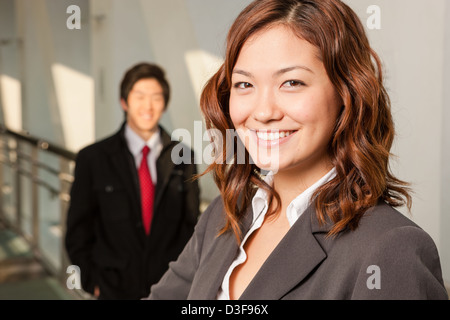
132	209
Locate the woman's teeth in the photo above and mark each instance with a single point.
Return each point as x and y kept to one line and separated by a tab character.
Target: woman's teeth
276	135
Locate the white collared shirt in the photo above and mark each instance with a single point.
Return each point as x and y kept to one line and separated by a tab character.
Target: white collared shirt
136	143
260	206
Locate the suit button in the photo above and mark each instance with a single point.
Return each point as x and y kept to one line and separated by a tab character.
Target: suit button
109	188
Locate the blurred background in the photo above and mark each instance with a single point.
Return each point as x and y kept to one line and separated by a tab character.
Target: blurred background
59	91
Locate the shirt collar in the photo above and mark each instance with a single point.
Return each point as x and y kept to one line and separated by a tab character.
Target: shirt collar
260	199
136	143
297	206
303	200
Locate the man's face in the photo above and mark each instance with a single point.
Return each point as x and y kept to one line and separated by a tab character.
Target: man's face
144	107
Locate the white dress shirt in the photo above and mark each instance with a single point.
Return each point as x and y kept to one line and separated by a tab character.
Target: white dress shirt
260	206
136	143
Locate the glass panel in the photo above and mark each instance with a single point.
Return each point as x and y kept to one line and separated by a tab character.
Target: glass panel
25	185
49	206
9	184
49	229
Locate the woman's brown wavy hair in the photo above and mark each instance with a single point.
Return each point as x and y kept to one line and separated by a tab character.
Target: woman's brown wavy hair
364	131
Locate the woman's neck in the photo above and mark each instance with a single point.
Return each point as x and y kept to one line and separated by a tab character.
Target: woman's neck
290	183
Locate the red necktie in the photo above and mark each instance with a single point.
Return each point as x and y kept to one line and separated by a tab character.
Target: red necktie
147	191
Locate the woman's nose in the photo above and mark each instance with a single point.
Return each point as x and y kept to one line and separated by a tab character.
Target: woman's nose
267	109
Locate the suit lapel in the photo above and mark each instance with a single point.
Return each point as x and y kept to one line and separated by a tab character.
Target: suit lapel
217	262
216	265
164	170
164	167
297	254
123	163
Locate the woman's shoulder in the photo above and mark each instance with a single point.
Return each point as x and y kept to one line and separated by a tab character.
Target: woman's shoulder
405	254
214	208
387	229
386	234
213	216
383	218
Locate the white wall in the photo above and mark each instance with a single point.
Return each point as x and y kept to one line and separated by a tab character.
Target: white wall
445	163
10	86
54	99
118	40
411	45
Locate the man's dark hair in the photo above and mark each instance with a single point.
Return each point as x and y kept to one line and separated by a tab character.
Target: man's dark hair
144	71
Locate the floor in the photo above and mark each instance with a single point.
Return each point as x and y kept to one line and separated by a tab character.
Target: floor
22	277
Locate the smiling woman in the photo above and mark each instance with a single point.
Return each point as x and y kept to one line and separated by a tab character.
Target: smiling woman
291	108
338	72
302	87
298	107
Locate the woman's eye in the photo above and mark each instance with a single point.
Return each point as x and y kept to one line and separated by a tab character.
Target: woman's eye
242	85
293	83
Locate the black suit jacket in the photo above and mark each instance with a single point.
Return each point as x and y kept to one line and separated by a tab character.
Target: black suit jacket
105	236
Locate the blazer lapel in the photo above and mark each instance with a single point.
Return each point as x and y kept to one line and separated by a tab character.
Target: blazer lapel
125	167
297	254
217	262
164	167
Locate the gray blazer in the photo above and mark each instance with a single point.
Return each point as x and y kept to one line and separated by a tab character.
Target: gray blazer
386	257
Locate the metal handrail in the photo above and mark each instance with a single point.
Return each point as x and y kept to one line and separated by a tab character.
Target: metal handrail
39	143
42	145
14	159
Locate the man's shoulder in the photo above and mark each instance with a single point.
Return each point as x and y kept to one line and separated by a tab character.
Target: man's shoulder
168	141
179	151
105	144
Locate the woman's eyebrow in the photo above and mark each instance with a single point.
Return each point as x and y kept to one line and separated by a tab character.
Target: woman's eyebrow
244	73
284	70
277	73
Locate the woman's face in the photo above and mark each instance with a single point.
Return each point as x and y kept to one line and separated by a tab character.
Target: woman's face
282	102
